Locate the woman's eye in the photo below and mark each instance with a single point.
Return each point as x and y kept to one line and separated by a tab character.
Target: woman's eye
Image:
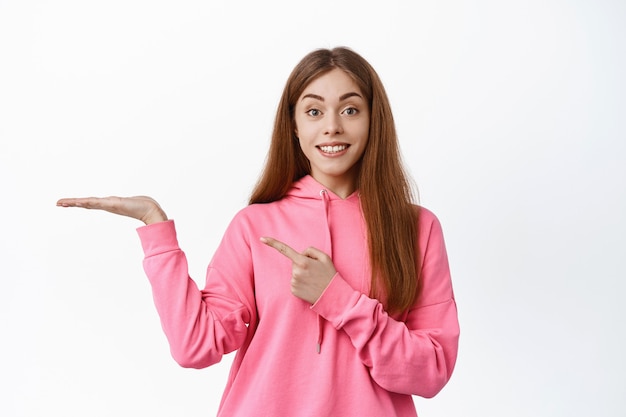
314	112
351	111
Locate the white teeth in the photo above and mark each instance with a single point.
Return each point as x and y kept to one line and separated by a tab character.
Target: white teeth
333	149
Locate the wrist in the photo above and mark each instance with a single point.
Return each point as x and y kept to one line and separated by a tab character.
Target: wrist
155	217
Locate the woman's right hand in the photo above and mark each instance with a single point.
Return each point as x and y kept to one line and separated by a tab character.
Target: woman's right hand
141	208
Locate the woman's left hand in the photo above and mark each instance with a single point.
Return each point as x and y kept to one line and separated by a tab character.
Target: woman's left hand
311	270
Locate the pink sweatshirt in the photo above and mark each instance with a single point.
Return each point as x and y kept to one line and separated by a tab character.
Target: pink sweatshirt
342	356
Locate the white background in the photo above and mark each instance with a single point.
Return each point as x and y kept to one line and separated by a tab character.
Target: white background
511	117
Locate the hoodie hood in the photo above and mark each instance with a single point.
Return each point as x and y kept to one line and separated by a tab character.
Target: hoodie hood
309	187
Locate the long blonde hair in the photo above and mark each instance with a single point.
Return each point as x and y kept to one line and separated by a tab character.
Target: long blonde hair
385	191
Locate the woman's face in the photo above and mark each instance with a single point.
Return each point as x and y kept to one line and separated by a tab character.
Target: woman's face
332	121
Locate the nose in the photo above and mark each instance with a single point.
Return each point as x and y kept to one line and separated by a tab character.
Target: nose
333	125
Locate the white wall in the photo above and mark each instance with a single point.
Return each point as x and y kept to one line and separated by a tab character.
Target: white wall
511	117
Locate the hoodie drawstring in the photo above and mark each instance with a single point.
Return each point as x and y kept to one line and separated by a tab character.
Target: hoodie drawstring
325	200
329	250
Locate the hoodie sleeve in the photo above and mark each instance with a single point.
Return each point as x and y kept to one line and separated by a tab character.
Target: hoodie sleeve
201	326
415	356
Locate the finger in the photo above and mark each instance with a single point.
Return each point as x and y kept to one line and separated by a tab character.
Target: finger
315	253
90	202
111	204
281	247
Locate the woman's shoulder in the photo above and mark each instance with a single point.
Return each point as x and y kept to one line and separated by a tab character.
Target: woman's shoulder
428	223
425	215
256	211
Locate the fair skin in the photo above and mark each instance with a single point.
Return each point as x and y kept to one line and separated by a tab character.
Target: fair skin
332	124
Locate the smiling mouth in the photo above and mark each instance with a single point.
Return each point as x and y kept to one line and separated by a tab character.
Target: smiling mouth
333	149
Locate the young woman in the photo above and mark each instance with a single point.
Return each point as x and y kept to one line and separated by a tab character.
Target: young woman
332	285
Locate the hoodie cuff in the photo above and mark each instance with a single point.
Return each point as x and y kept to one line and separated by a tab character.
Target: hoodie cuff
337	298
157	238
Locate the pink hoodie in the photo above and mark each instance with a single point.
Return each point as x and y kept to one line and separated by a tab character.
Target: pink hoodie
343	356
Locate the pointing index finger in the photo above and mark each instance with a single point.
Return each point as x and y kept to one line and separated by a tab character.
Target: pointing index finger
281	247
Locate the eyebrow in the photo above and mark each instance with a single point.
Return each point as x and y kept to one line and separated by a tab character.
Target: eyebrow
342	98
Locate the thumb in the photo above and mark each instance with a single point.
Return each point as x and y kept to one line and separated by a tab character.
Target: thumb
315	253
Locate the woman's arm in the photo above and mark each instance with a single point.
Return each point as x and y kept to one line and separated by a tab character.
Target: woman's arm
200	326
413	356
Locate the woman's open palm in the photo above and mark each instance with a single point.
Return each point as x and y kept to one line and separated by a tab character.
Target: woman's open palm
141	208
